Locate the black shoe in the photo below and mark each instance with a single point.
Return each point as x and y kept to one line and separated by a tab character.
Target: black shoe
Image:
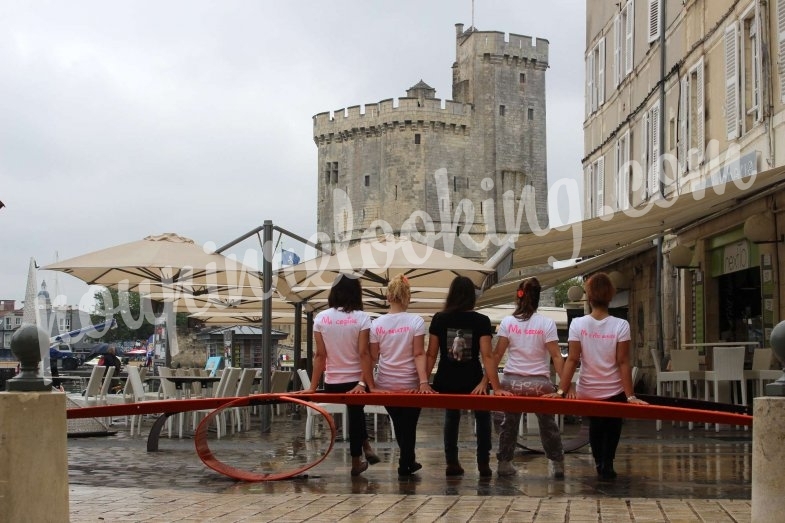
411	469
605	472
485	469
454	469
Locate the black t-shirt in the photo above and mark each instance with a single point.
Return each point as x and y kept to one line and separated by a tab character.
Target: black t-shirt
459	334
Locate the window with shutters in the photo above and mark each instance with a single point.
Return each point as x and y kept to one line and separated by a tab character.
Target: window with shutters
595	77
623	42
692	119
623	172
654	20
750	68
650	153
743	72
595	188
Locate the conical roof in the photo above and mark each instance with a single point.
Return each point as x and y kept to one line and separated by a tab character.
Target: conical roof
421	85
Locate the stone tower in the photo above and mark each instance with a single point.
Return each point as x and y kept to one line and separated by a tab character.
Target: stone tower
423	165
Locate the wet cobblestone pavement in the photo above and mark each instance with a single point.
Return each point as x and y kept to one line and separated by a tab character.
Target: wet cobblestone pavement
672	475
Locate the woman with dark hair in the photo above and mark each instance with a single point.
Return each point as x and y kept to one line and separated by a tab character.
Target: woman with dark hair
460	372
533	342
398	343
342	355
601	343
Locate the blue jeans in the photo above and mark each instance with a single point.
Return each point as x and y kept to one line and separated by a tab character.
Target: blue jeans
452	421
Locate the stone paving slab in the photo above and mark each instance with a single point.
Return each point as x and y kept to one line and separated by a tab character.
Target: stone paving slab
89	504
671	476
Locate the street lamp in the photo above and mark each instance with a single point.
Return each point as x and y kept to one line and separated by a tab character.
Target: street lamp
575	293
681	257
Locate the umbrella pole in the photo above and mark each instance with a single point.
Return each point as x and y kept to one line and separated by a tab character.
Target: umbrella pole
309	342
267	319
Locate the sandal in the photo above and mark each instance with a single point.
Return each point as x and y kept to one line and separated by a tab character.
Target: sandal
371	457
362	467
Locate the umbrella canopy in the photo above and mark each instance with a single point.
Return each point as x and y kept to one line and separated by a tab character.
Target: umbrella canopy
99	350
239	299
241	317
161	263
430	272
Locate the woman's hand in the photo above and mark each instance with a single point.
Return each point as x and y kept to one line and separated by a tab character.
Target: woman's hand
425	388
635	401
304	391
358	389
481	388
502	392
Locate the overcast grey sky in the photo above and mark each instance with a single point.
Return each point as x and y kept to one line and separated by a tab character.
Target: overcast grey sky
123	119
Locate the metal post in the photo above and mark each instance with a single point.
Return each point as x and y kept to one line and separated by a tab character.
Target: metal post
267	319
309	342
298	339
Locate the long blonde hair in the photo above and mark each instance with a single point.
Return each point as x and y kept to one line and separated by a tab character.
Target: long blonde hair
399	290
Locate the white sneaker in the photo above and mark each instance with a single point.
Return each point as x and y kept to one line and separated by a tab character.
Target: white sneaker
505	468
555	469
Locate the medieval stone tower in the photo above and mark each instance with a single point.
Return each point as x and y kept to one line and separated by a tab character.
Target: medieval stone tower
450	160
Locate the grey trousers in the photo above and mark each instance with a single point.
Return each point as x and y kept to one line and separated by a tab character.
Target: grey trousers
506	423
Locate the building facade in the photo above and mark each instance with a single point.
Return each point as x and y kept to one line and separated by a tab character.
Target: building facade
707	114
10	320
457	161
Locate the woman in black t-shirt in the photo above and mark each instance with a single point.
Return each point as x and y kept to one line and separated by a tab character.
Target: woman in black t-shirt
460	369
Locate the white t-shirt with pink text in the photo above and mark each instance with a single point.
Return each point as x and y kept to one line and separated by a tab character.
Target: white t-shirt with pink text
341	334
600	377
395	335
527	355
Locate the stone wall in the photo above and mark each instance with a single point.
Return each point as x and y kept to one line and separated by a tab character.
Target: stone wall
486	145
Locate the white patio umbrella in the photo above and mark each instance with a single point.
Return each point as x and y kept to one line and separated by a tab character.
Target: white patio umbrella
163	263
375	262
158	263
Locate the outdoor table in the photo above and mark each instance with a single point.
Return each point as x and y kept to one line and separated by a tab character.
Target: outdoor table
181	381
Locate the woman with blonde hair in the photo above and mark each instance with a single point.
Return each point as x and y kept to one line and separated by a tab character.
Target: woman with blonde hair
533	342
397	342
601	343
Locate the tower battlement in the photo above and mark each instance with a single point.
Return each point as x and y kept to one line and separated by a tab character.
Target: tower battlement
498	43
376	115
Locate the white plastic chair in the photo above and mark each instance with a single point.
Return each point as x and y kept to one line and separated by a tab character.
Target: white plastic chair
226	387
105	386
673	378
133	393
728	365
242	415
376	411
279	383
92	393
761	371
331	408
